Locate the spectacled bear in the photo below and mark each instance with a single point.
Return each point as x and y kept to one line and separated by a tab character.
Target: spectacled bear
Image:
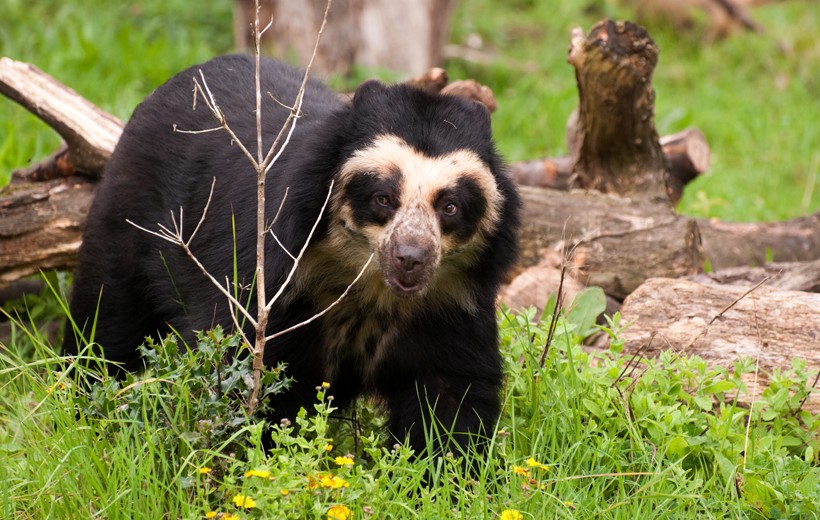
416	181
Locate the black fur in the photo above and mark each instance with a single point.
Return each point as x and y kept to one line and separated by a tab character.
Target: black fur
445	358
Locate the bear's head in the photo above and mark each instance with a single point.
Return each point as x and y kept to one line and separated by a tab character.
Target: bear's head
422	187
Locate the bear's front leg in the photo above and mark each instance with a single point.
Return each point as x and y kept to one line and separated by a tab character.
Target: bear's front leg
444	391
441	413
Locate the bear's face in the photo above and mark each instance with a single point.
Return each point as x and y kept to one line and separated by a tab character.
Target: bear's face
416	183
420	214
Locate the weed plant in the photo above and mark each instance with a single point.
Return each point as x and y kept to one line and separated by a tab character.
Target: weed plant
586	434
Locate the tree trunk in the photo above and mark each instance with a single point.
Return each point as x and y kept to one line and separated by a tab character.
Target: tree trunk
366	33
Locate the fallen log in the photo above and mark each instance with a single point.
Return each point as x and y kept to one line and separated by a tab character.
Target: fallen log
722	322
41	225
791	276
613	242
89	132
730	244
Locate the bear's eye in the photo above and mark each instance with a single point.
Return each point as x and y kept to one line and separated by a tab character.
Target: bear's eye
383	200
450	209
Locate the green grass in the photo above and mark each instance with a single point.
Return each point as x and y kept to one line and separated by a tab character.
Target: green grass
667	440
754	96
583	436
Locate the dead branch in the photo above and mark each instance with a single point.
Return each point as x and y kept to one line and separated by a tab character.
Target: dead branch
89	132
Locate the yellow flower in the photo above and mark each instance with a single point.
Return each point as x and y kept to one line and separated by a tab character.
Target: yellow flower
261	473
204	471
531	462
343	461
283	492
325	385
511	514
210	514
332	481
518	470
329	447
244	501
339	512
58	386
229	516
327	480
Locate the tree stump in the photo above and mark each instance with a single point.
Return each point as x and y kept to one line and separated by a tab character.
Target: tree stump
619	151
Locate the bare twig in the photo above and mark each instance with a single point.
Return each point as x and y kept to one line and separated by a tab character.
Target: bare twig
754	391
262	162
175	237
559	300
295	265
323	311
725	309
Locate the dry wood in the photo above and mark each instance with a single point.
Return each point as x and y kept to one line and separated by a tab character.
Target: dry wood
90	133
618	243
619	150
471	89
687	156
431	81
731	244
686	153
533	286
40	226
436	81
791	276
551	172
722	322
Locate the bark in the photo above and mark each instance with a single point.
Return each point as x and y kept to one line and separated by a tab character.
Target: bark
615	243
791	276
619	150
722	322
41	226
366	33
90	133
730	244
686	153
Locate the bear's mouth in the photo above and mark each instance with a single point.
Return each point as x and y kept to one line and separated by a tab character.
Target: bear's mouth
405	287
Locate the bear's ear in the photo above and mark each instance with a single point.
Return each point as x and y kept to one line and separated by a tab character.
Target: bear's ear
368	92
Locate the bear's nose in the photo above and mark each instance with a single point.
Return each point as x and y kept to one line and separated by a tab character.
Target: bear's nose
410	258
